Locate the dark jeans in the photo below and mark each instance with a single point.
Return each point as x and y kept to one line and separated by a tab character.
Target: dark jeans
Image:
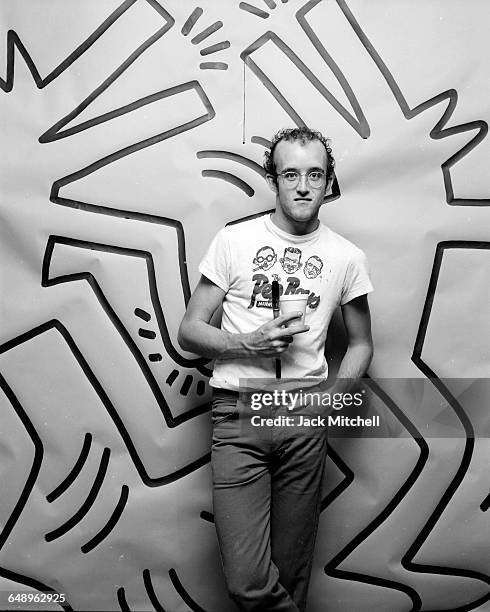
266	494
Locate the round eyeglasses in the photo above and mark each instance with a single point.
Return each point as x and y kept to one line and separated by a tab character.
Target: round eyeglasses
314	177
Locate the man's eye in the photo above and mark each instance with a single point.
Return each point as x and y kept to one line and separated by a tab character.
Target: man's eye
290	176
316	176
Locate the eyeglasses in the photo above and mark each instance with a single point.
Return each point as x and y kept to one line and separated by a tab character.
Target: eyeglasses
314	177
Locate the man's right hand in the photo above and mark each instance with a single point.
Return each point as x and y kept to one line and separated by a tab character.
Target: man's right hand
271	339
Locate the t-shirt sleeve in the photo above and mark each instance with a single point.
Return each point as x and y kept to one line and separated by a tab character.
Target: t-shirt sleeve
215	264
357	281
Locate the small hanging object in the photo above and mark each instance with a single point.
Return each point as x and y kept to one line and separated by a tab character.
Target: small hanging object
275	310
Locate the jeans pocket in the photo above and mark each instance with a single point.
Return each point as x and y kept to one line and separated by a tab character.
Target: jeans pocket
224	407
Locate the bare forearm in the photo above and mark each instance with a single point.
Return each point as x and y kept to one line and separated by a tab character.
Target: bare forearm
204	339
353	365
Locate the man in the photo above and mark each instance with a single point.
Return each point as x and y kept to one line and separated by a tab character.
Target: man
267	489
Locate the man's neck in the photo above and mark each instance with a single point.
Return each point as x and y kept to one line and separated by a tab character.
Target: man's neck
294	227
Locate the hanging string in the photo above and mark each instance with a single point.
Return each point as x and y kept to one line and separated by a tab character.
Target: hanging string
244	106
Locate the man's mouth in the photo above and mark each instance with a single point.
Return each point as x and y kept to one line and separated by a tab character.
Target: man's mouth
302	199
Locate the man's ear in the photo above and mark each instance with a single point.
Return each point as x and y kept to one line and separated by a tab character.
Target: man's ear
272	182
328	188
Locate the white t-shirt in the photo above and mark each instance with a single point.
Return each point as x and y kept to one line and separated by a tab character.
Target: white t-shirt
244	259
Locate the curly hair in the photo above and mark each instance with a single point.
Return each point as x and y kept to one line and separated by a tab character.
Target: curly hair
304	135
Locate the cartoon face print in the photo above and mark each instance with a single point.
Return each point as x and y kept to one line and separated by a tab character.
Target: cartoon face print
265	258
291	260
313	267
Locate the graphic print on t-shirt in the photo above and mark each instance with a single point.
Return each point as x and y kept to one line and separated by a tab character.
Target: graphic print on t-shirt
265	258
291	262
313	266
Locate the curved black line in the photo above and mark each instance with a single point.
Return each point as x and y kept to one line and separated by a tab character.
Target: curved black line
183	593
331	568
198	362
485	505
142	314
438	131
111	523
235	157
230	178
261	141
407	560
74	472
121	600
207	516
111	410
344	484
253	10
359	123
191	20
87	504
151	591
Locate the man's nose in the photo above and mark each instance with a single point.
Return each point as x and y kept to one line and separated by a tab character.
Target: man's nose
303	185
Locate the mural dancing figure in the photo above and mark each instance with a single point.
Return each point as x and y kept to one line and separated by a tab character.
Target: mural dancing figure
267	487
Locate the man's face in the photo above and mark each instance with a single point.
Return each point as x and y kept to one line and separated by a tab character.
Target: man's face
265	259
301	203
291	262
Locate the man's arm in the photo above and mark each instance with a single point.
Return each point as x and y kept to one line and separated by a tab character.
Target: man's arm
198	336
357	321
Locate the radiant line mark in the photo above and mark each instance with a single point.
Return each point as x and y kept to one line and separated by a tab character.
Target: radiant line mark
270	3
230	178
155	357
151	591
214	48
171	377
87	504
142	314
147	333
201	387
111	523
183	593
75	471
207	32
213	66
239	159
253	10
191	20
184	390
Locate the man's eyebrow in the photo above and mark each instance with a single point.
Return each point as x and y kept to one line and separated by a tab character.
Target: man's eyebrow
314	169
